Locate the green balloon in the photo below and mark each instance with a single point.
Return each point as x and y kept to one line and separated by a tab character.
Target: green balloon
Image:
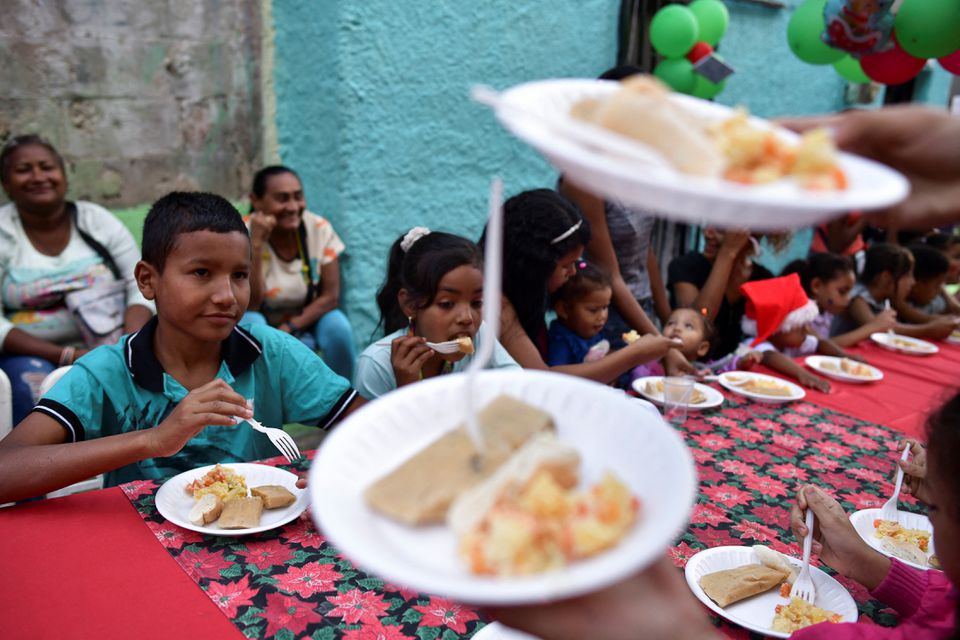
673	31
705	89
804	34
677	73
850	70
928	28
712	17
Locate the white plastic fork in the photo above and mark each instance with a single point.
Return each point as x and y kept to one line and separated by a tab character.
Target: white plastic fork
889	509
803	586
278	437
450	346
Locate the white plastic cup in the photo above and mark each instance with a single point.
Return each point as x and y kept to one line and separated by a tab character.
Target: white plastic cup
677	393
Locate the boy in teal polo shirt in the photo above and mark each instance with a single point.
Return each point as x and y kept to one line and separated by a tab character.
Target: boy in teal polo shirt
173	396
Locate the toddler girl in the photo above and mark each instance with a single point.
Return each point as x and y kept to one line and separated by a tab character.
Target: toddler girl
829	279
887	277
433	293
582	305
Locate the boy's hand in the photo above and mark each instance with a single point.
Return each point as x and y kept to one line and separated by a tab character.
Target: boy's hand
653	347
749	360
734	242
807	379
215	403
408	354
915	471
261	226
943	326
835	540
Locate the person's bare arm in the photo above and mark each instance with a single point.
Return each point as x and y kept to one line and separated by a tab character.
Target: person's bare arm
19	342
661	302
953	307
909	314
937	329
35	457
715	288
607	369
261	226
882	321
601	251
328	300
135	317
830	348
782	364
841	233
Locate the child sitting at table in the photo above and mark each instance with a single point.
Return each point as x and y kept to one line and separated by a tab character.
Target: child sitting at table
927	299
582	305
433	292
779	314
887	278
172	396
925	599
698	336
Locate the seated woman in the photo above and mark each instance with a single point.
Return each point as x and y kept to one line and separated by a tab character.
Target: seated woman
50	247
543	238
295	274
711	280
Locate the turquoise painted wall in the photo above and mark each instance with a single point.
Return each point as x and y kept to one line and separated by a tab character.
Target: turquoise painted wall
372	106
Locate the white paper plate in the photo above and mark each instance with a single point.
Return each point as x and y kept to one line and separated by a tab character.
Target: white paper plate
757	613
607	164
497	631
728	379
611	432
863	522
817	364
919	347
174	503
714	397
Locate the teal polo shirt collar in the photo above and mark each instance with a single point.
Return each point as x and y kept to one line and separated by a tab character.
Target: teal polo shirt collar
238	353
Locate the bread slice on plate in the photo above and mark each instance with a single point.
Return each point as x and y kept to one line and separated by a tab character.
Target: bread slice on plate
206	510
274	496
241	513
732	585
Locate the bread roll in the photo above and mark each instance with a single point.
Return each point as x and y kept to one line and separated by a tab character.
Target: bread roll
421	489
465	344
274	496
732	585
770	558
206	510
241	513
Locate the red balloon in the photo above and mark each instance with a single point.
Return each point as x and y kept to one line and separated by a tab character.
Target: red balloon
951	62
699	50
893	66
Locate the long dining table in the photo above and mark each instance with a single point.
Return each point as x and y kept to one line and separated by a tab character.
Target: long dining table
105	564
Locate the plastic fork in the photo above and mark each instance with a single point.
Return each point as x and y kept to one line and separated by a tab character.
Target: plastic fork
803	586
279	438
889	509
450	346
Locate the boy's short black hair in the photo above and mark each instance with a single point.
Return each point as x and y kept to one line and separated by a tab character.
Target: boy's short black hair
928	263
181	212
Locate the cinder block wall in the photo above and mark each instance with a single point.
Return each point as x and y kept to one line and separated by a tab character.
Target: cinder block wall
140	97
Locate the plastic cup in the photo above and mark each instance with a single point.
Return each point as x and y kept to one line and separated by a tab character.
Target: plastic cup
677	393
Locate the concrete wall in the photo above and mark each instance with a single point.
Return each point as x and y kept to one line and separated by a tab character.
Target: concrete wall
140	97
372	106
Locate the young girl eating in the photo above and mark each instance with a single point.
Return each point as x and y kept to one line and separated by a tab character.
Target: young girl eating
829	279
780	315
887	278
433	293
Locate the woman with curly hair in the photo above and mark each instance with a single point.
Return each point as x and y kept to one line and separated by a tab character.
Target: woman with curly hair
544	235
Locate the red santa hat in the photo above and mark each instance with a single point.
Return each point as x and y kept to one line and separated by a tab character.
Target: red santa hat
776	305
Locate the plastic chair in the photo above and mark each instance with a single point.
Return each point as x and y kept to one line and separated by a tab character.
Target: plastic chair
77	487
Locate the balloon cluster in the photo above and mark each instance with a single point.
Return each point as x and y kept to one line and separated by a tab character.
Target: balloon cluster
685	36
865	41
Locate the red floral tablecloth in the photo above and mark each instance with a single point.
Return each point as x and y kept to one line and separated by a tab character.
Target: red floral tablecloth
290	583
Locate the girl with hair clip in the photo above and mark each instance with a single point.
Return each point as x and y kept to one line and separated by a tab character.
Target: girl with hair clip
829	279
433	293
887	278
544	236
